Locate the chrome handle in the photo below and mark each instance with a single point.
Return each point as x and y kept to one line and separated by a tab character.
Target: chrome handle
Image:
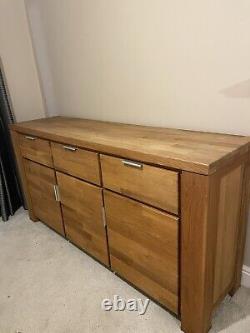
132	164
70	148
30	137
104	216
56	193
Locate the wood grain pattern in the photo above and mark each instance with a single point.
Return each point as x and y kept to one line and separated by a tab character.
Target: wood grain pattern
215	179
199	152
143	246
21	170
155	186
242	228
79	163
82	214
41	180
210	232
198	242
229	202
37	150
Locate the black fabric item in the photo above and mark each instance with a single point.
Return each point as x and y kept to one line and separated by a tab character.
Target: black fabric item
10	193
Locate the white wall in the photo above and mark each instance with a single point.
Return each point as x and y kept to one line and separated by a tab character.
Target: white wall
41	53
172	63
182	64
18	61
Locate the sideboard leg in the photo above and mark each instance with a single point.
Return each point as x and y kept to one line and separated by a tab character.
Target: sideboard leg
243	218
198	240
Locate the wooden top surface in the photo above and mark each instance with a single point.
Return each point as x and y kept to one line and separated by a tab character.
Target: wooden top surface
198	152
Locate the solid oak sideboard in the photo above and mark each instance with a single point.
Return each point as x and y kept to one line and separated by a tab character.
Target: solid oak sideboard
165	209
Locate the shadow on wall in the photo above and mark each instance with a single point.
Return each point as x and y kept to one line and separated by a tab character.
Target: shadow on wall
238	90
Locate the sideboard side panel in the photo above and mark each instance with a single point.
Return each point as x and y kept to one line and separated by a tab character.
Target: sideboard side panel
243	218
198	239
228	223
214	212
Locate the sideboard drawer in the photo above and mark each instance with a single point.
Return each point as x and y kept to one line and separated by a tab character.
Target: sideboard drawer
76	162
35	149
143	243
155	186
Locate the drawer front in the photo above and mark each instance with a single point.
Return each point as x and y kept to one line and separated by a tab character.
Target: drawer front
41	181
76	162
82	209
155	186
143	245
35	149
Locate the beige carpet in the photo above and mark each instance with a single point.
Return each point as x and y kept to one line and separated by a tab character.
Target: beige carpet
48	285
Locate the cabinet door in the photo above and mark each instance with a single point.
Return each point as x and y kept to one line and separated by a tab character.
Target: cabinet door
143	245
82	209
41	181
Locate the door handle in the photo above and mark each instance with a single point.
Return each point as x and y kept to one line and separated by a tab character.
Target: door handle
56	192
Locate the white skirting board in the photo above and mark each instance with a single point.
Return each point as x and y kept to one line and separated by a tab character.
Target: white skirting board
245	281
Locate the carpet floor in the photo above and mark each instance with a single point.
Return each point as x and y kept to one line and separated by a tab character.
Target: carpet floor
49	285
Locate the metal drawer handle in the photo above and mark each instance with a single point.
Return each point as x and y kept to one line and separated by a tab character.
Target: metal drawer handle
70	148
132	164
30	137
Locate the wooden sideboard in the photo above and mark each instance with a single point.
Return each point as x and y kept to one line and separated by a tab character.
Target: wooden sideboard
165	209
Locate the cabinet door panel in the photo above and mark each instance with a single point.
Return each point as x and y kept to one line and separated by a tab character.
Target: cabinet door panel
82	215
41	181
143	244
